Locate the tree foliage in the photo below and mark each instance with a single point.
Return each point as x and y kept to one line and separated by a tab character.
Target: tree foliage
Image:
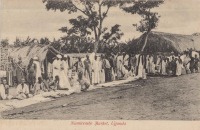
90	22
4	42
149	19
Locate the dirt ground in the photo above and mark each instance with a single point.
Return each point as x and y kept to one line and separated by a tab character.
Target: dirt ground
157	98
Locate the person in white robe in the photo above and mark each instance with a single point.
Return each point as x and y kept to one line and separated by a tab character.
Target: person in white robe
119	66
56	66
158	64
95	71
65	64
22	91
38	71
163	67
151	65
140	68
178	67
64	80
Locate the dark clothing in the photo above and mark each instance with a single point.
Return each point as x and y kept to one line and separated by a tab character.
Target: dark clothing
31	75
19	71
173	67
108	74
196	64
192	65
6	89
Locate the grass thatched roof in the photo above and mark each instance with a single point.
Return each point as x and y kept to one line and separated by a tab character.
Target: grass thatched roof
28	52
167	42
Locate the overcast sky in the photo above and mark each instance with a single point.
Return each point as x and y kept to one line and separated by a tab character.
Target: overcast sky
22	18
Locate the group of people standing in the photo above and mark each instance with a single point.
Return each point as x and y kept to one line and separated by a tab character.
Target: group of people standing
92	70
172	65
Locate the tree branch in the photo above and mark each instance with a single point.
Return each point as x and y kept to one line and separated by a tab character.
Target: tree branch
80	9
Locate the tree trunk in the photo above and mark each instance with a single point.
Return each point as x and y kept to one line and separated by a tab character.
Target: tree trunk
145	41
96	43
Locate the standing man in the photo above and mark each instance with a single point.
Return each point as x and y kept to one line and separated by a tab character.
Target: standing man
112	67
38	70
95	71
56	66
87	64
79	68
196	63
19	70
31	74
107	68
173	66
65	64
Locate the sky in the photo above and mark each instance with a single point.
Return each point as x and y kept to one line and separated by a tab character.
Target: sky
23	18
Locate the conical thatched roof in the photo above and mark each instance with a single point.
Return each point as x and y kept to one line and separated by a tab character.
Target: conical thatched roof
166	42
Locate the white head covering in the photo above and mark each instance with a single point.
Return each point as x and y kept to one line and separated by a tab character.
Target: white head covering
59	56
35	58
65	56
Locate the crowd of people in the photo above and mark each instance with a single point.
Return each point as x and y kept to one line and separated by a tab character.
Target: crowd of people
92	70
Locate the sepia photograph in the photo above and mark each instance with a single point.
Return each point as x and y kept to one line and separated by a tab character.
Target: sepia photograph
96	60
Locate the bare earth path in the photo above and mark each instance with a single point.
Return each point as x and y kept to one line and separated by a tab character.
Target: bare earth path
157	98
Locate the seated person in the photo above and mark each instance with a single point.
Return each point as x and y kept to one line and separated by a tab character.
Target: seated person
84	83
38	87
46	82
22	91
54	84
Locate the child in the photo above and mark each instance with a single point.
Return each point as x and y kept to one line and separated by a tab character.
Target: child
84	83
39	86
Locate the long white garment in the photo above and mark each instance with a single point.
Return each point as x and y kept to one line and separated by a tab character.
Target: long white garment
50	69
158	64
118	61
137	59
38	70
140	68
95	73
56	68
151	65
147	63
163	68
65	66
101	72
178	68
24	90
64	81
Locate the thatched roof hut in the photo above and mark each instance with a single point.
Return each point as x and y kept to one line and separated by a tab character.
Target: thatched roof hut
44	52
28	52
166	43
